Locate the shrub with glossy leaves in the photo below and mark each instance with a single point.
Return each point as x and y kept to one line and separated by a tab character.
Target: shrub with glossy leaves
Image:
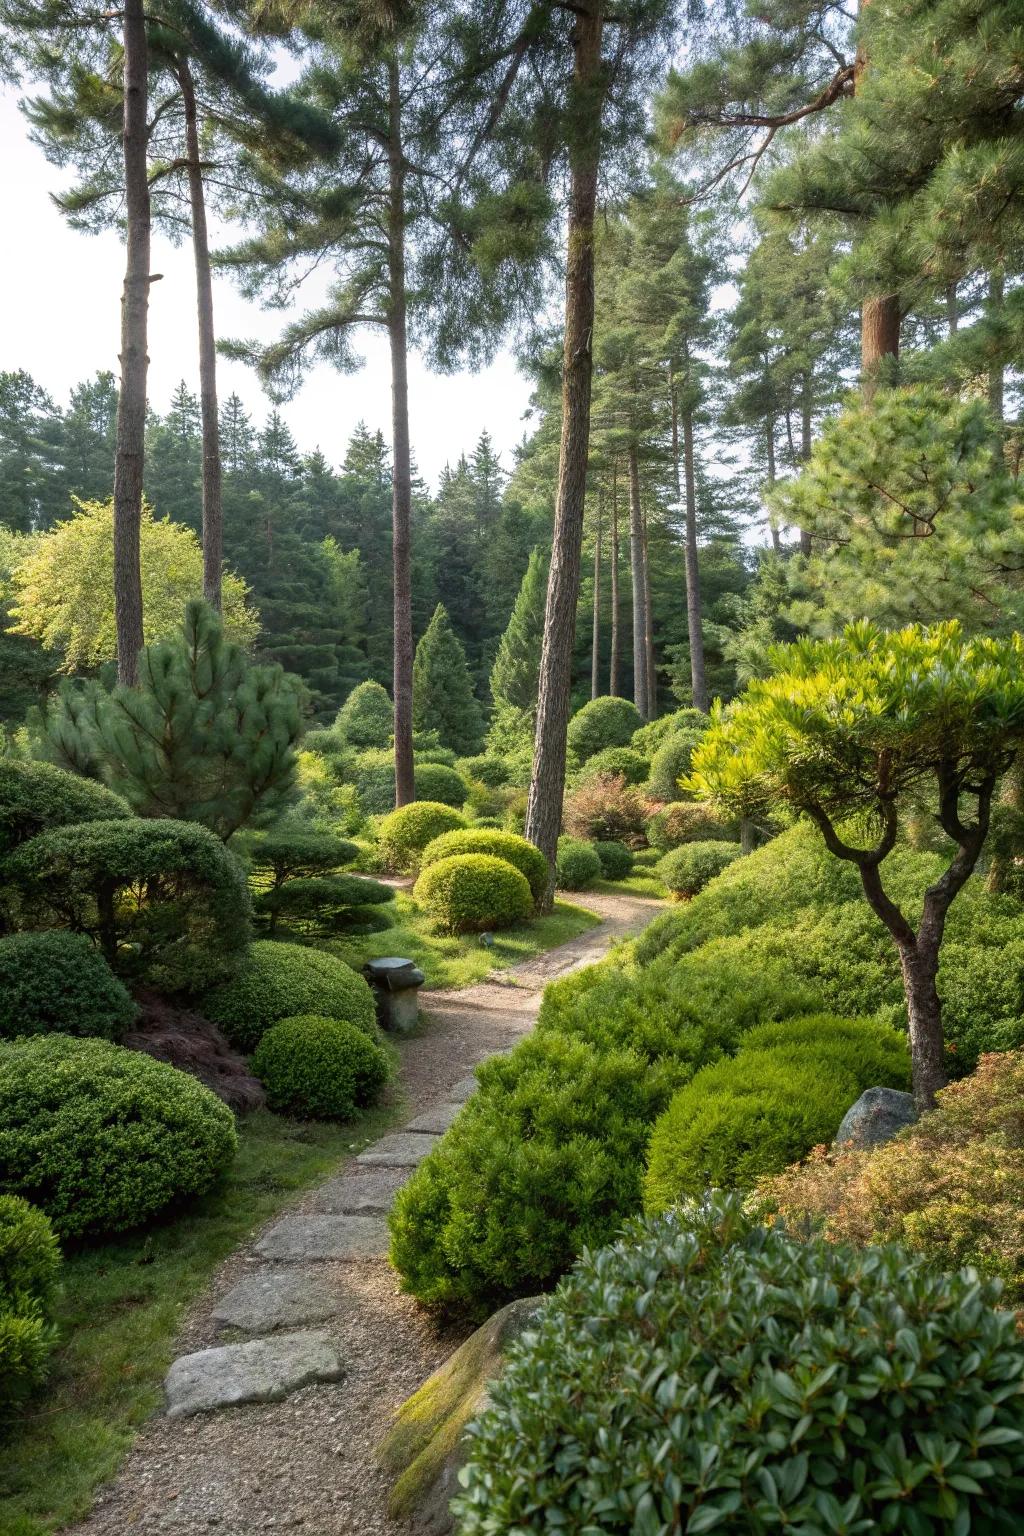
29	1267
671	763
101	1138
37	796
688	822
471	892
604	722
366	719
658	1391
688	868
280	981
616	860
406	832
515	850
320	1069
577	865
618	762
59	982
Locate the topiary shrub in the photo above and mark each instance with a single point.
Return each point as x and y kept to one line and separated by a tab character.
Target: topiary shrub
37	796
318	1068
471	892
689	822
366	719
59	982
605	809
616	762
101	1138
650	736
604	722
709	1374
165	900
615	858
29	1267
522	855
577	865
281	981
671	762
322	904
688	868
486	769
406	832
437	782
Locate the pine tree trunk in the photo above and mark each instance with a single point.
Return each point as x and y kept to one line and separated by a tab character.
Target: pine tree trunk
213	523
674	397
636	566
595	639
547	785
613	665
996	372
131	401
879	338
694	626
652	678
773	527
805	448
401	495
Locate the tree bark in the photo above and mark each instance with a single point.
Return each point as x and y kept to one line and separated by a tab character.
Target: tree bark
996	372
595	639
919	965
769	438
674	396
131	401
652	680
613	664
698	681
547	784
806	427
213	520
401	493
636	566
879	339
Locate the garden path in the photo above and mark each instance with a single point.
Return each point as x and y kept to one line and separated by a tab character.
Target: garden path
309	1312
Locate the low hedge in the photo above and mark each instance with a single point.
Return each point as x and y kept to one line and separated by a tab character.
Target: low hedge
689	868
689	822
280	981
59	982
616	860
29	1269
101	1138
319	1068
517	851
406	832
470	892
578	864
37	796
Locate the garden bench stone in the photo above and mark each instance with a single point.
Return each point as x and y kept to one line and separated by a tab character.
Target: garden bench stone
259	1371
321	1235
402	1149
277	1298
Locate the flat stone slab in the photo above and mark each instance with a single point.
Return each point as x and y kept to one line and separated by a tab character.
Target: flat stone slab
277	1298
402	1149
259	1371
374	1190
434	1122
464	1089
322	1236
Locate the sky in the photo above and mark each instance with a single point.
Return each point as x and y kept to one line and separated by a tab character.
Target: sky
61	300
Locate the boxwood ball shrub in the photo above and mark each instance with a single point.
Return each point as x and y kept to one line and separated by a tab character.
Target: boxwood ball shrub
515	850
406	832
688	822
707	1373
650	736
577	865
604	722
615	858
320	1069
622	762
438	782
37	796
671	762
29	1269
281	981
101	1138
470	892
59	982
688	868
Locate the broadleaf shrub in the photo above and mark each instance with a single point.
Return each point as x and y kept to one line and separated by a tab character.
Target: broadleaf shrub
470	892
615	858
37	796
406	832
689	822
281	981
319	1068
604	722
486	769
515	850
59	983
618	762
577	865
29	1269
688	869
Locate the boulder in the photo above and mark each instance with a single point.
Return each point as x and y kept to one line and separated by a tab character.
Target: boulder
424	1450
878	1115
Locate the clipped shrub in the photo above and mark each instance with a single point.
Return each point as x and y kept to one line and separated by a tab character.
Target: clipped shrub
164	900
688	822
471	892
577	865
616	762
37	796
615	858
486	769
709	1374
296	849
318	1068
688	868
604	722
321	904
373	774
406	832
366	719
438	782
605	809
101	1138
29	1267
671	762
59	982
281	981
522	855
650	736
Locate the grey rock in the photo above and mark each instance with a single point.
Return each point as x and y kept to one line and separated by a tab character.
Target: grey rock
434	1122
259	1371
277	1298
878	1115
402	1149
464	1088
374	1190
322	1236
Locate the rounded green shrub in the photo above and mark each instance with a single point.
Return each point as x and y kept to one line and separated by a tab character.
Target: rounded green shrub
366	719
318	1068
688	868
281	981
604	722
577	865
297	848
37	796
59	982
439	783
485	769
322	903
470	892
650	737
689	822
616	762
671	762
515	850
374	777
29	1268
406	832
101	1138
708	1373
615	858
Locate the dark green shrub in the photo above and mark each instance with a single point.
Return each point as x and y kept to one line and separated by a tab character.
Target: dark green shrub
709	1374
101	1138
437	782
688	868
318	1068
616	762
688	822
281	981
296	849
59	982
37	796
515	850
165	900
604	722
406	832
321	904
366	719
616	860
470	892
577	865
29	1267
492	771
671	762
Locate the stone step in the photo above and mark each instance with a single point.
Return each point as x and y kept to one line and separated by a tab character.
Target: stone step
402	1149
318	1235
278	1298
373	1190
463	1089
435	1121
259	1371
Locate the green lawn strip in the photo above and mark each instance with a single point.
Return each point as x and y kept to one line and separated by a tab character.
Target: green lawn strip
121	1310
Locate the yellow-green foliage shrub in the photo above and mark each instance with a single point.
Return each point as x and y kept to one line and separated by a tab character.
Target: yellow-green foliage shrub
406	832
515	850
29	1267
689	868
470	892
687	822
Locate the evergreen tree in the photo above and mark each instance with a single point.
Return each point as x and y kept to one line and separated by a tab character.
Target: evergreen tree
27	469
442	691
86	441
516	670
174	452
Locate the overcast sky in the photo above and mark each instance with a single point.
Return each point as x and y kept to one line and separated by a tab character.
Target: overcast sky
61	296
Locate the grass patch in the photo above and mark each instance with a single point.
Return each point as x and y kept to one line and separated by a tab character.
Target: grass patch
122	1308
459	962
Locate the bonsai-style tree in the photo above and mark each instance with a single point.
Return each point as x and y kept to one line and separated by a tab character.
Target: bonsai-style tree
847	731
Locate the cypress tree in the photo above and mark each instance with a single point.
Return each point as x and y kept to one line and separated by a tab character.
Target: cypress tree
516	669
442	691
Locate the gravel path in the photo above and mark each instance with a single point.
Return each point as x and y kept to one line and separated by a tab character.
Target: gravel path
307	1462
